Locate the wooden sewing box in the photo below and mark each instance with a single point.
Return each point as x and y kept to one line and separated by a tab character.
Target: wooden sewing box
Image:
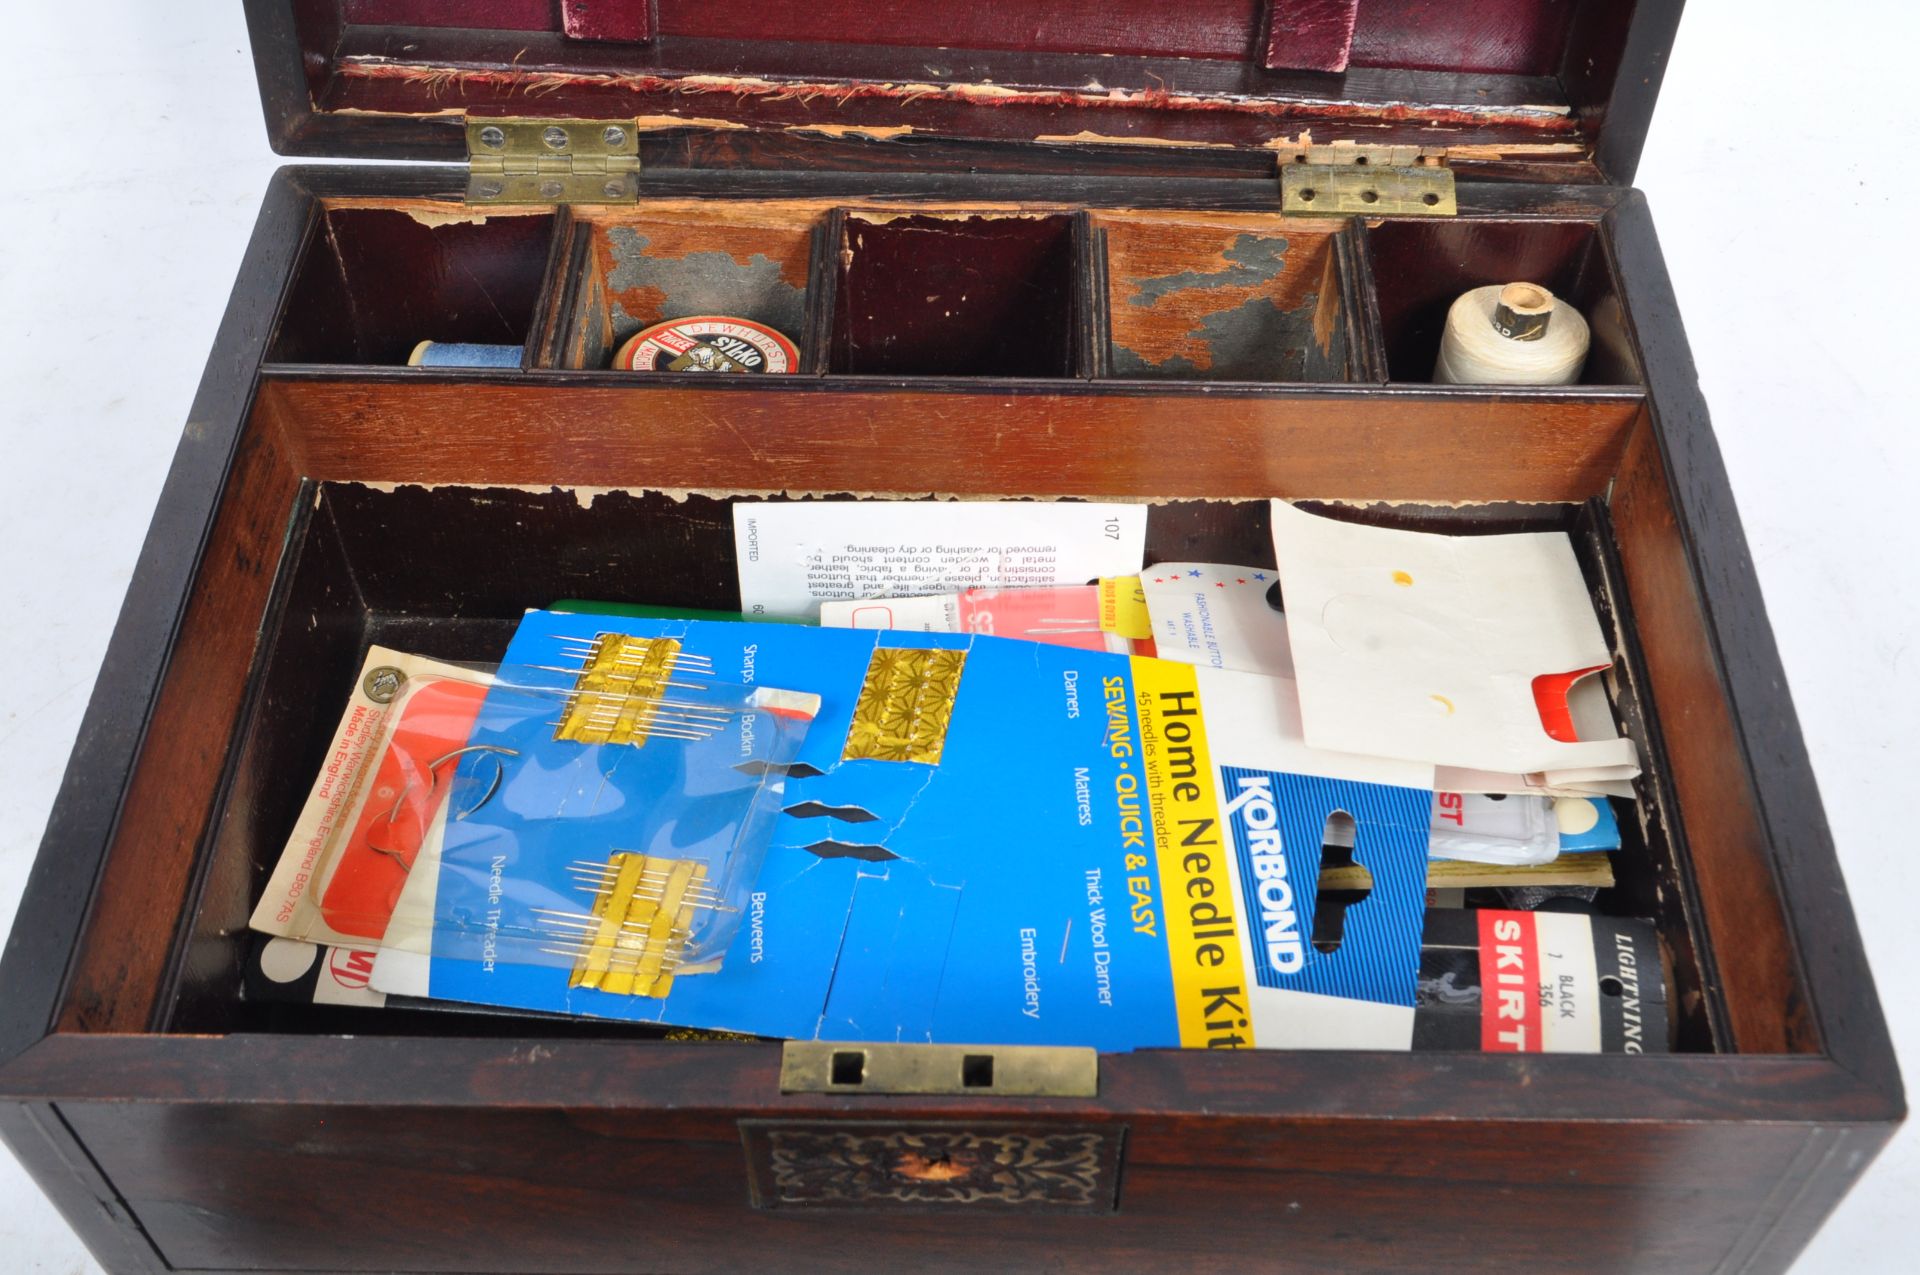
1197	256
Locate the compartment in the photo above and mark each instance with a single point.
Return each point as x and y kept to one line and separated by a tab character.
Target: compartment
372	283
954	294
496	497
344	589
1419	266
634	268
1222	297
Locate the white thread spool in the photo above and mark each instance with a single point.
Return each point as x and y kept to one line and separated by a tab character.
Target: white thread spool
1516	334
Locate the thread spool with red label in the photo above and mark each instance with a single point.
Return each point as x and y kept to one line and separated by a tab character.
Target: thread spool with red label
708	343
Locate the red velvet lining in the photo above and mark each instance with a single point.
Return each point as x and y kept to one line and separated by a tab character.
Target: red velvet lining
483	15
1521	37
1310	35
624	20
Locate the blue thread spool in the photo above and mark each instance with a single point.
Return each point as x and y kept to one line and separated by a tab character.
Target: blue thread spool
464	354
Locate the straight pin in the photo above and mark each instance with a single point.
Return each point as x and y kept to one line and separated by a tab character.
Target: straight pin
595	865
692	667
609	872
628	648
652	889
615	691
651	880
641	725
599	866
641	716
591	925
668	701
632	942
671	730
667	963
629	656
657	894
613	702
629	693
609	726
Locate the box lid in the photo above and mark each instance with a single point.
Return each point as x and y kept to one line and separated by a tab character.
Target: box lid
1545	90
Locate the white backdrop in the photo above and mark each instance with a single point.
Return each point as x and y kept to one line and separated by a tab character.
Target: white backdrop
1777	174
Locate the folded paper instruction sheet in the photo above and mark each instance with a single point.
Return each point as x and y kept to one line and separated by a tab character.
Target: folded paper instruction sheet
1467	651
794	555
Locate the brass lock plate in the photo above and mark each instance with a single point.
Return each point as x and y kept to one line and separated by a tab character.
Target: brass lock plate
1000	1071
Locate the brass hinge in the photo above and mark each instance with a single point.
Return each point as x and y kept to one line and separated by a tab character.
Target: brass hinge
999	1071
545	161
1375	181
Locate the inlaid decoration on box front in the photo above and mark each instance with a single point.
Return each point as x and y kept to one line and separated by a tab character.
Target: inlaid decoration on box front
933	1165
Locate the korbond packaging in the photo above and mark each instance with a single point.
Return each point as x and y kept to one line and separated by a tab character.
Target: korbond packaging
987	840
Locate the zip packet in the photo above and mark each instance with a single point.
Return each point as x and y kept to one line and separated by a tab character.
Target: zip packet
1109	615
1493	828
1192	613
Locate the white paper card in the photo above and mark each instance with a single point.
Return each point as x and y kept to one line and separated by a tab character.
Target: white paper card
794	556
938	614
1265	723
1217	617
1407	644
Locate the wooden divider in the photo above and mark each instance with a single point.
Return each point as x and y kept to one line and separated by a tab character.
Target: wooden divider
1027	441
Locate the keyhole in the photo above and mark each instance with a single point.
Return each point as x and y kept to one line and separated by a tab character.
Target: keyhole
1337	842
